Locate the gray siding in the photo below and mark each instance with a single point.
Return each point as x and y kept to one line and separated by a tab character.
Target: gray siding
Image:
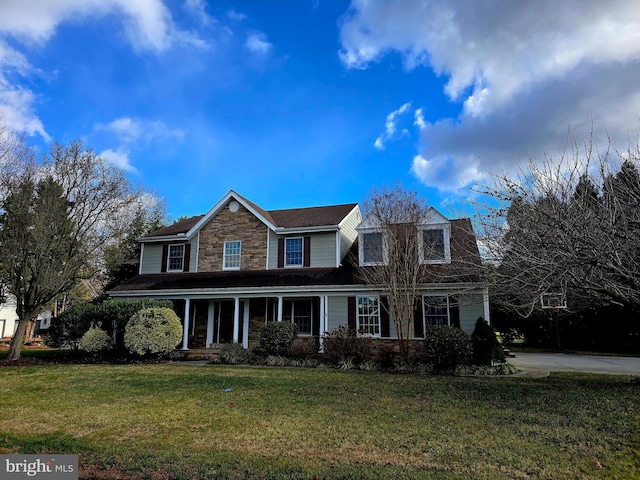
471	307
337	313
152	257
323	249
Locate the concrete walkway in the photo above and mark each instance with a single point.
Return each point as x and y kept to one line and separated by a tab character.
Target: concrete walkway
538	363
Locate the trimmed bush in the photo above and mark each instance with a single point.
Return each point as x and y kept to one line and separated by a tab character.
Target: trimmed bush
302	348
447	348
153	331
344	347
276	337
95	340
486	348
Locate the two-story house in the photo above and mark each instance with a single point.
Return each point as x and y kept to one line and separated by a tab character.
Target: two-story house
239	266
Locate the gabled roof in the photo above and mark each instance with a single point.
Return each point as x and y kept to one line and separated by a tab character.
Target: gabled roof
432	217
276	220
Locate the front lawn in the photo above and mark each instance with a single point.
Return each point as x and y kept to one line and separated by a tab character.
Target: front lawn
177	421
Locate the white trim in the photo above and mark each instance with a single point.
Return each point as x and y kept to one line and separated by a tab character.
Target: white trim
197	255
169	269
185	327
245	325
338	248
141	258
485	301
385	252
236	319
446	229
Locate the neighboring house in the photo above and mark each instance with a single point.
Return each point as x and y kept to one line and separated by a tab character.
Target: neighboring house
239	266
9	319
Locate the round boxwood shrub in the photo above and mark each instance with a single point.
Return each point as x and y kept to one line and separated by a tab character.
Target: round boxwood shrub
447	348
486	348
95	340
277	337
153	331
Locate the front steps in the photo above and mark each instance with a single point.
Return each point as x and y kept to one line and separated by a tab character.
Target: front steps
201	353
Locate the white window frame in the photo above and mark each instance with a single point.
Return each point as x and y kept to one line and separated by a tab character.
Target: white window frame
368	315
286	259
226	256
385	255
447	304
292	316
446	229
169	257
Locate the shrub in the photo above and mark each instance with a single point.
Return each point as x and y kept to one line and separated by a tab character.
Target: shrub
153	331
95	340
486	348
447	348
234	354
302	348
277	337
343	346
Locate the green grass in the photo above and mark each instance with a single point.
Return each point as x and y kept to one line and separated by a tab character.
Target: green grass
175	421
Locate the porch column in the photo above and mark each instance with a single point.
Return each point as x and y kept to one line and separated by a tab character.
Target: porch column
323	320
485	299
236	319
210	324
245	326
280	308
185	330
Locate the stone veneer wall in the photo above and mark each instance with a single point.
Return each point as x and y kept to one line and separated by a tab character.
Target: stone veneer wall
232	226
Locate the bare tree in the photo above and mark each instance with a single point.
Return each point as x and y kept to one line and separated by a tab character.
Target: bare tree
569	225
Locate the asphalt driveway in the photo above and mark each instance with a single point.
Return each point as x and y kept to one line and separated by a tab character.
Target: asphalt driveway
560	362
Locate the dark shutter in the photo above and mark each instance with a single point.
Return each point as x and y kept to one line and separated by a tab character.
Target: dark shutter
165	254
281	253
351	313
187	257
454	312
306	253
418	320
385	330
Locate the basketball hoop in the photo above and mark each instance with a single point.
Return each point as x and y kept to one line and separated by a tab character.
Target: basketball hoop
553	301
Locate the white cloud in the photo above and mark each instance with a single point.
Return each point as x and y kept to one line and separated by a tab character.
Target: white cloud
522	71
257	43
129	130
390	126
236	16
419	119
119	158
197	8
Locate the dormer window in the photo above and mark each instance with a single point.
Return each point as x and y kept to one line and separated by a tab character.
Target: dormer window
434	244
372	248
175	260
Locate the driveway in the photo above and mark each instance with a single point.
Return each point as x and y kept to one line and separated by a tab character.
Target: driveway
560	362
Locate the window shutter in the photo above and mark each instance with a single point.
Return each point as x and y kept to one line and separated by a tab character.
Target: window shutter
281	253
306	254
454	312
385	331
351	313
165	254
187	257
418	320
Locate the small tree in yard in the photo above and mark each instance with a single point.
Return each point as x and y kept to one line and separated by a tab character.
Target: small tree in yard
276	337
153	331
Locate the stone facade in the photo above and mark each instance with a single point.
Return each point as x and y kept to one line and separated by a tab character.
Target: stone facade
230	226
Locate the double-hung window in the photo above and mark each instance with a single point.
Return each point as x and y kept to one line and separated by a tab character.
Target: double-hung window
368	316
293	252
435	245
436	310
299	312
175	260
372	252
232	251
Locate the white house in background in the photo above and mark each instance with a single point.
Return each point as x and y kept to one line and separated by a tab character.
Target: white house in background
9	319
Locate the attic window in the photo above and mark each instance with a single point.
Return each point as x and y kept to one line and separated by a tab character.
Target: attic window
435	245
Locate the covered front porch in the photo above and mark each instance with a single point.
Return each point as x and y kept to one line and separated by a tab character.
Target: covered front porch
208	323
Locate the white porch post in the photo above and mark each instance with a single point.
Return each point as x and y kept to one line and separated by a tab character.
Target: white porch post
485	299
280	308
323	320
210	317
245	326
236	319
185	330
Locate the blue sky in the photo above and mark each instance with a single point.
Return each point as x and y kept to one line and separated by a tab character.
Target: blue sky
315	102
